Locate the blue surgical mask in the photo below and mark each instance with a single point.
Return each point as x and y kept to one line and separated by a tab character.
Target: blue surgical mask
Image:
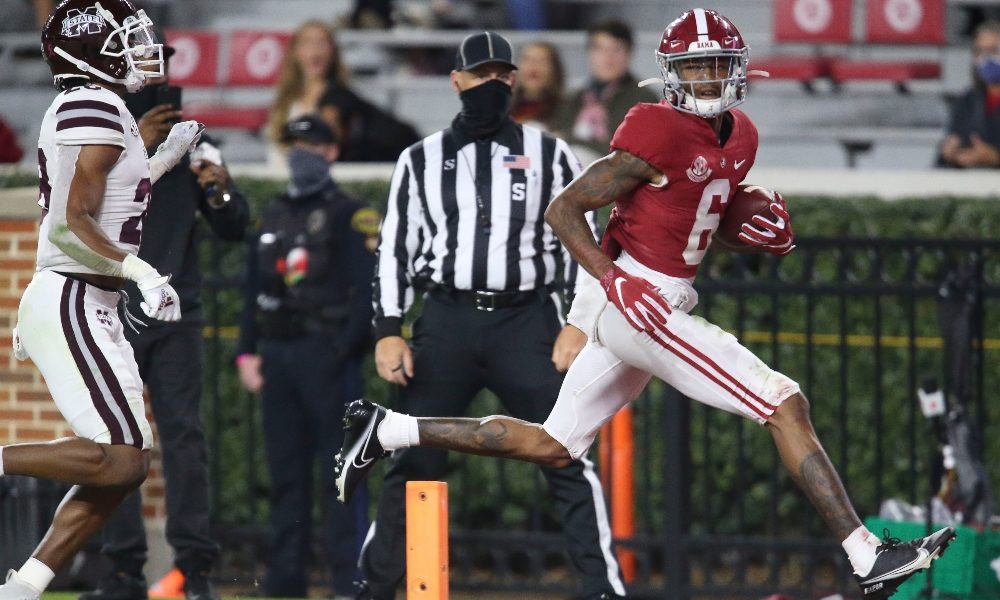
310	172
988	69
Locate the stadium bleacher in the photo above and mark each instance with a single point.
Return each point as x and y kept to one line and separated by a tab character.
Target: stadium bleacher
835	88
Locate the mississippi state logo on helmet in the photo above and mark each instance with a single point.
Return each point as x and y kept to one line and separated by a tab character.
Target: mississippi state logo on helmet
704	63
108	40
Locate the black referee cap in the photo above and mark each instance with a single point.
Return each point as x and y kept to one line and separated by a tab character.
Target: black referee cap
310	129
481	48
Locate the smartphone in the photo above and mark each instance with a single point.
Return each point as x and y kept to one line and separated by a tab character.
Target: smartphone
169	94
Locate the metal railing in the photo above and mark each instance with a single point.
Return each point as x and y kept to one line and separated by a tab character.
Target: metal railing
854	321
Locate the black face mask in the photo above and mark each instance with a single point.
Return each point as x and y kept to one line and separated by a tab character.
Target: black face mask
142	101
485	109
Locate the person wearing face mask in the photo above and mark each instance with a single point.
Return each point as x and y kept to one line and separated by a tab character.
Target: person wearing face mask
169	354
306	325
464	227
973	135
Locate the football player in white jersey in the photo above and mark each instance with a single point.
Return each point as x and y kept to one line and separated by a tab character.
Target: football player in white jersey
94	180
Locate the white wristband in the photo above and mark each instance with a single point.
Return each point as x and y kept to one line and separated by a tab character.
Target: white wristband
156	168
135	268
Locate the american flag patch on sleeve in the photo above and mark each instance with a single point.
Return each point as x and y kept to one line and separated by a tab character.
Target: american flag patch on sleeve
517	161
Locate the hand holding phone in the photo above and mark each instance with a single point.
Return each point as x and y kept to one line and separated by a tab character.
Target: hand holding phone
169	94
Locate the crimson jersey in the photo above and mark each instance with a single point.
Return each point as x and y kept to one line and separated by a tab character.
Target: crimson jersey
669	227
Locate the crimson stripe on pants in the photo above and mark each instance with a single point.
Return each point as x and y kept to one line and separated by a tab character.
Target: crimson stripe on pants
114	427
107	372
707	374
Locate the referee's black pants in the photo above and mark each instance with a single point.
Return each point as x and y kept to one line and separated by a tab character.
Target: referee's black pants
459	350
169	357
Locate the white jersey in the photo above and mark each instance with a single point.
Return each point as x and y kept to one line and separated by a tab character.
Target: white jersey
84	116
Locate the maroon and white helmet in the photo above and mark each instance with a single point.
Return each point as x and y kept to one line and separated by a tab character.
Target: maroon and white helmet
704	34
107	40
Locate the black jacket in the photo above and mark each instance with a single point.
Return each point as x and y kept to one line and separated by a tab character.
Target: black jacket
170	234
969	115
309	271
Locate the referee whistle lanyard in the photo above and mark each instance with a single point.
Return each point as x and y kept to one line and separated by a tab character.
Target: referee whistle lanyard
485	110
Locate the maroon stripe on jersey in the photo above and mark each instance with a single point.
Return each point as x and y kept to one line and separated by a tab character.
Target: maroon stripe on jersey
722	372
93	104
700	368
89	122
110	380
117	435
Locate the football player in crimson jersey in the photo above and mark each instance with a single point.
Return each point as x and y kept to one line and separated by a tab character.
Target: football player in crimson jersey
672	169
94	179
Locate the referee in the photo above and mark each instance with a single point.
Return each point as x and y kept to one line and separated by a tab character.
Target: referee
465	224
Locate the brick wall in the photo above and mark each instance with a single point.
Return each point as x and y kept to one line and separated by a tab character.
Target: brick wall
27	413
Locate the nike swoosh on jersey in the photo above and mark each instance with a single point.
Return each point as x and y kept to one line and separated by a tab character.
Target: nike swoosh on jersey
738	163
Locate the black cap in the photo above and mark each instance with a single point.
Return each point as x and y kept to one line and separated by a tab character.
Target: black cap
161	38
310	129
481	48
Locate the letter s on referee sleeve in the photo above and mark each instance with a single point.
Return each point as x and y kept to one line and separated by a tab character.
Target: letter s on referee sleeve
398	243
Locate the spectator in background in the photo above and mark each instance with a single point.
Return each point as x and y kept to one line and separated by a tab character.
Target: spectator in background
367	133
311	64
973	137
305	327
591	116
10	150
540	82
169	355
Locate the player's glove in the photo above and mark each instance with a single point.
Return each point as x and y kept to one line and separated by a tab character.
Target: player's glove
159	300
183	137
774	236
641	303
19	352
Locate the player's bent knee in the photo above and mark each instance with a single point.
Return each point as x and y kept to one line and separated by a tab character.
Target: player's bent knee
125	466
551	452
793	410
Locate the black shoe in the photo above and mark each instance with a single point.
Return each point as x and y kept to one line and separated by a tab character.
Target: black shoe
361	446
197	586
895	562
604	596
119	586
362	591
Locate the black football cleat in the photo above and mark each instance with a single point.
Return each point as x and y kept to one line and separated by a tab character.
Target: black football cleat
361	446
896	562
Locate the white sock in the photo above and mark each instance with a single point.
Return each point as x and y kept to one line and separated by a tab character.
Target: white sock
398	431
36	574
1	461
860	547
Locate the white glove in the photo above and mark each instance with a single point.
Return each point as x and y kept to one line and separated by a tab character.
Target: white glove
19	352
182	139
160	301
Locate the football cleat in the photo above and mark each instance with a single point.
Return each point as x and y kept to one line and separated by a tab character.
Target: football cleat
896	562
361	446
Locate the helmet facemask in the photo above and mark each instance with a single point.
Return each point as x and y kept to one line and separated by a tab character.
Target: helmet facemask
131	41
706	82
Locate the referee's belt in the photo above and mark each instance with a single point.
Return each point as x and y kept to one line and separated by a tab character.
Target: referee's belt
489	300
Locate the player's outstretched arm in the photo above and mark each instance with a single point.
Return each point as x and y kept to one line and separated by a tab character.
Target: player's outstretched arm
75	231
600	184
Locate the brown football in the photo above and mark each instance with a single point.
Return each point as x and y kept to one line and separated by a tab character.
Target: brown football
749	200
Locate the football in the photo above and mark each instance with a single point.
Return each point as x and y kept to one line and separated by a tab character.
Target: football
749	200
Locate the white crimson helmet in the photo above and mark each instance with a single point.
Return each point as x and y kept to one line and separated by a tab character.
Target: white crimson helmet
700	34
108	40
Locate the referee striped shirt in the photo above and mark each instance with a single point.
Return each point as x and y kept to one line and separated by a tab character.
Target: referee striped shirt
469	215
